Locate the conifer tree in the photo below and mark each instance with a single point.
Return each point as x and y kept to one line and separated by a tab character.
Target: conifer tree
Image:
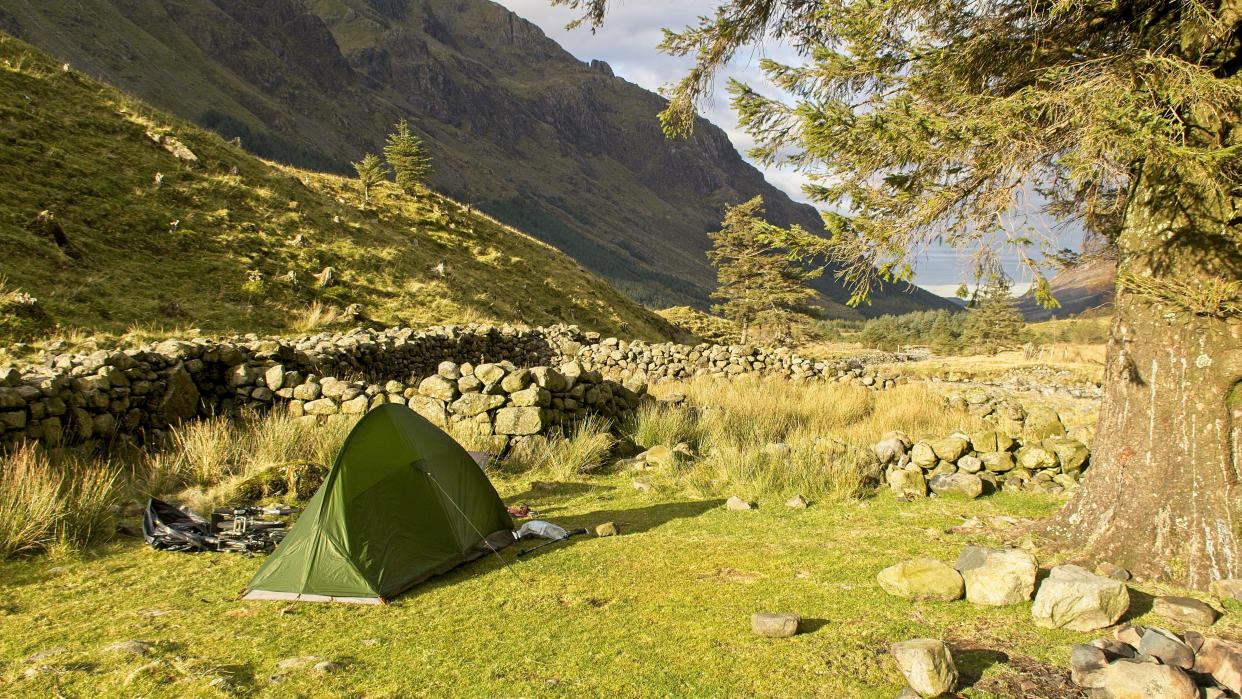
759	286
408	158
994	320
371	171
922	121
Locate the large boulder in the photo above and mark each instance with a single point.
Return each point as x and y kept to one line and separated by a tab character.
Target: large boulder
1035	458
997	461
1004	577
951	448
1071	453
965	485
1074	598
1133	679
430	408
922	579
923	455
471	404
927	665
180	399
1184	611
520	421
1042	421
908	484
439	388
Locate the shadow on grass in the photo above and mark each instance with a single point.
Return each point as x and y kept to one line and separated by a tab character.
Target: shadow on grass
1140	604
973	661
632	521
808	626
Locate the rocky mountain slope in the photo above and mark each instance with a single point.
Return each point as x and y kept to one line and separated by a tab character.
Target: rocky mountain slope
517	126
1081	288
115	217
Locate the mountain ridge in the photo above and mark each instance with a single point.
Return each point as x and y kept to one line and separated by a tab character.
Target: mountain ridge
517	126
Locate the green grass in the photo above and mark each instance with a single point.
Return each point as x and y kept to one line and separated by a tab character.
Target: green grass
660	610
155	244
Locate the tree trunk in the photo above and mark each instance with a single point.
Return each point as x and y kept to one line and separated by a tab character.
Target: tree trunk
1161	495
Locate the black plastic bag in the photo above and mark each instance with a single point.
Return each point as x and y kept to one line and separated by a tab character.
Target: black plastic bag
168	527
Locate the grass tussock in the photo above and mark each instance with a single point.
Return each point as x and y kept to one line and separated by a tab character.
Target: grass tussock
773	436
54	497
584	449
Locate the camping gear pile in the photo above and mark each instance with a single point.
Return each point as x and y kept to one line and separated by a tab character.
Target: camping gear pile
168	527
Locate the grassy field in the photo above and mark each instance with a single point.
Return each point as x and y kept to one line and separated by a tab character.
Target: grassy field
663	609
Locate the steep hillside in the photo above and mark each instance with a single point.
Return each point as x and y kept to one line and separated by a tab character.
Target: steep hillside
1077	289
113	214
517	126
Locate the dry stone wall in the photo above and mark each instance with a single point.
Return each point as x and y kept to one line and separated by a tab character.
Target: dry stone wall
509	380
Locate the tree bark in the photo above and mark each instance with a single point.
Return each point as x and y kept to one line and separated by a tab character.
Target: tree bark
1161	495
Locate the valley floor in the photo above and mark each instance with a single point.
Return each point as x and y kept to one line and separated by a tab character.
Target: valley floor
661	610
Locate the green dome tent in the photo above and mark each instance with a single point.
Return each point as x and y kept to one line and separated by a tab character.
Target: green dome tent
402	502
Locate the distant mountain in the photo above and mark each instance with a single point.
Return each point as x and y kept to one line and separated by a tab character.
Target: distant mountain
517	127
1078	289
959	302
116	217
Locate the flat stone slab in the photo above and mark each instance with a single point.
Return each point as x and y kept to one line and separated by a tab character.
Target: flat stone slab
1184	610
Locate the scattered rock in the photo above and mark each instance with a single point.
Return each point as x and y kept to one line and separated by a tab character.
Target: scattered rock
1161	644
1074	598
1222	660
736	503
642	487
1184	610
1129	634
1004	577
658	456
1110	570
1129	679
606	529
1086	663
922	579
927	665
775	625
797	502
327	667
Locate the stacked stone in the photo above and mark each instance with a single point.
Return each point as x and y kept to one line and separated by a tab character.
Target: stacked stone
983	462
497	400
138	392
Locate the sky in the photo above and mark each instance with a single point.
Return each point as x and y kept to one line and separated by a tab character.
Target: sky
628	41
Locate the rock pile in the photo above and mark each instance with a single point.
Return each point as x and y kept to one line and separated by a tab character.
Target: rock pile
970	465
139	391
1154	662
